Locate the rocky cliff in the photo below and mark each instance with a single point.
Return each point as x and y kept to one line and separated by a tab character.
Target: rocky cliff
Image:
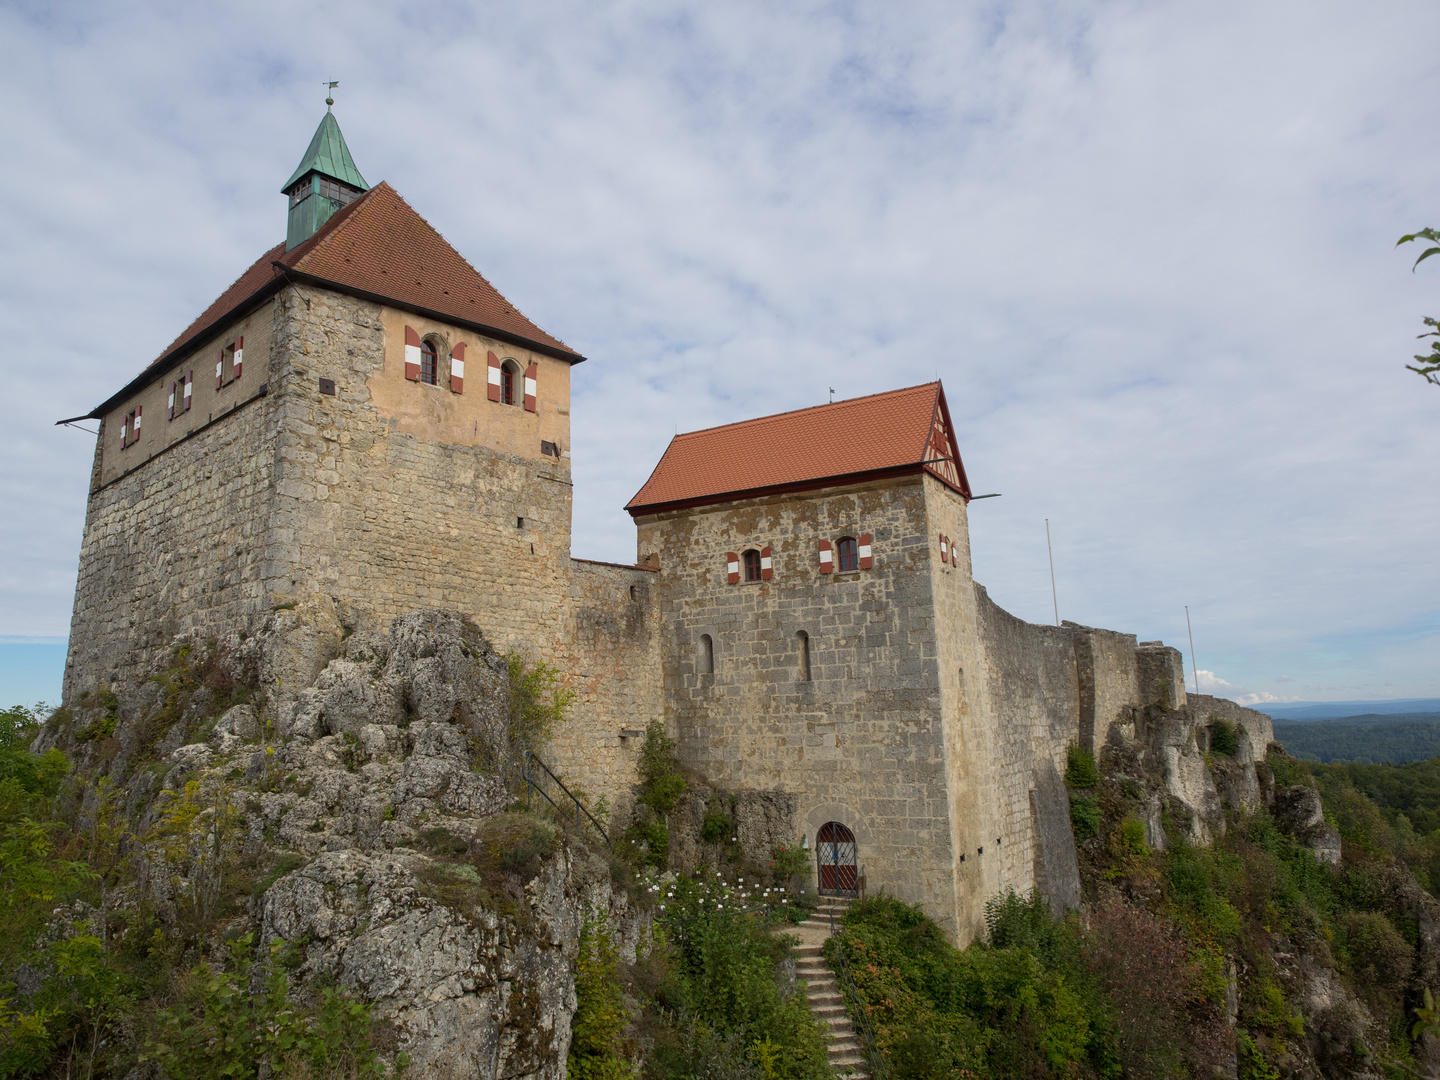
354	797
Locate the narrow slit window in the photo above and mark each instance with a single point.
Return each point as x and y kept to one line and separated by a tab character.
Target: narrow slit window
802	639
706	659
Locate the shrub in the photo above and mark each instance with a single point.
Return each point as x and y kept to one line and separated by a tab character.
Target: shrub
1224	739
1085	815
786	862
598	1050
538	703
1378	958
219	1028
1167	1022
442	842
661	784
725	982
1018	1004
716	829
103	726
651	838
1080	770
1131	837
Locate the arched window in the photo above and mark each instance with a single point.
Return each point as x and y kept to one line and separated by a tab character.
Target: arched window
752	565
803	640
705	662
847	554
509	377
429	363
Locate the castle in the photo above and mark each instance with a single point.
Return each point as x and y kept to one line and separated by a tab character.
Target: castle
801	614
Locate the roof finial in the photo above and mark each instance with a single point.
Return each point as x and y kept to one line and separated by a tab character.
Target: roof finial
330	98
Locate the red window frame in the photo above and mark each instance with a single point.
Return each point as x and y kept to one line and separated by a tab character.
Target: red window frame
429	363
751	560
507	384
847	554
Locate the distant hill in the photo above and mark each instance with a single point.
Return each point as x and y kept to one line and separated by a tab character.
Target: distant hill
1371	738
1332	710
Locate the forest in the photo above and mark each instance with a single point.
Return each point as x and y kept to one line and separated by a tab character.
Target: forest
1368	739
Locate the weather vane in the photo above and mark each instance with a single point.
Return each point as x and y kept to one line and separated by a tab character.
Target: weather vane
330	98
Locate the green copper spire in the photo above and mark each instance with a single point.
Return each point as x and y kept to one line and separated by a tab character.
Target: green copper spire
324	181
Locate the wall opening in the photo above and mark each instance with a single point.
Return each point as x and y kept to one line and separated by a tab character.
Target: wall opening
803	640
705	662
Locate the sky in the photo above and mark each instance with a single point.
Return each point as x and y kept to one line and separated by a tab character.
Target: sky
1149	248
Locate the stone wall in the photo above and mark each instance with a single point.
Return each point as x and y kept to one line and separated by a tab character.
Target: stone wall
176	545
1108	672
611	659
1033	707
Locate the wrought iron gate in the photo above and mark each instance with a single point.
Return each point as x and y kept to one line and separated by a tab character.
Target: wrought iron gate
835	850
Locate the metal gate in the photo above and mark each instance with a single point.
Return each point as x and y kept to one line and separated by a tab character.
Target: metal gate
835	850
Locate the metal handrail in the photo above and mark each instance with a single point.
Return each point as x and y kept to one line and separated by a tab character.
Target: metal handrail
531	784
856	1008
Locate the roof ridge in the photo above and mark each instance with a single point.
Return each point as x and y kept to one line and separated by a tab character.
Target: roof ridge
808	408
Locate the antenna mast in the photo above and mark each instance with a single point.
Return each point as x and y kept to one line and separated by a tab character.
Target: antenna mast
1055	599
1191	632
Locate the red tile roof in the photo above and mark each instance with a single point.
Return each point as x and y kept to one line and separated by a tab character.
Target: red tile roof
894	433
377	246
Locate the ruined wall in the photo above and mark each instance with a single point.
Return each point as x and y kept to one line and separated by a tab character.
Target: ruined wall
861	740
1108	672
1255	729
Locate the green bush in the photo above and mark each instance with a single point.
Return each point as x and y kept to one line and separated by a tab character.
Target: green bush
1224	739
650	837
661	784
1131	836
538	703
1039	996
716	829
732	1016
598	1049
1084	815
1080	770
220	1029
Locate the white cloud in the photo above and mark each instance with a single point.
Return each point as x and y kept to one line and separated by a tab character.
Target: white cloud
1262	697
1149	249
1210	683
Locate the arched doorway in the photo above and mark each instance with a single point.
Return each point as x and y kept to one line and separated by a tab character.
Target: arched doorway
835	851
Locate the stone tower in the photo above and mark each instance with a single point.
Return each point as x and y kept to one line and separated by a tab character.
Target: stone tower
360	423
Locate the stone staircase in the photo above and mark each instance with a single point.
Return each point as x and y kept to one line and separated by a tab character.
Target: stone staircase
847	1055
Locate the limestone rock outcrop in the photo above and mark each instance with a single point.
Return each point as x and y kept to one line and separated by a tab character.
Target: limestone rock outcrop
380	795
